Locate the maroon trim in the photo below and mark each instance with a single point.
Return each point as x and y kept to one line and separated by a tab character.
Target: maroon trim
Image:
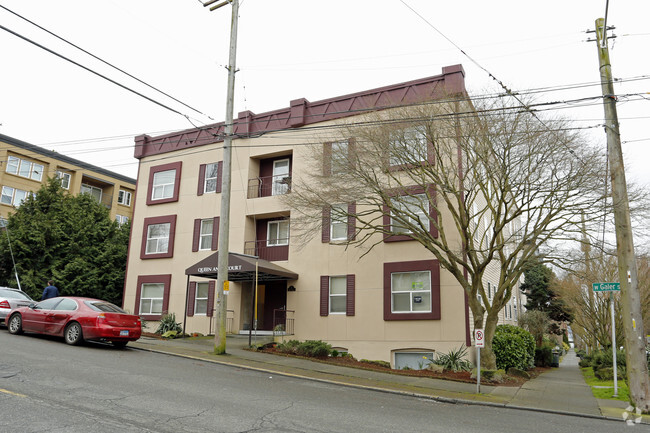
128	248
177	182
302	112
349	295
215	234
420	265
352	221
165	279
327	159
325	234
211	285
201	186
219	175
324	295
196	235
388	237
171	219
192	299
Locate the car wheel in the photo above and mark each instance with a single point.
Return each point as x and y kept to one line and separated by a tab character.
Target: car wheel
73	334
15	324
119	344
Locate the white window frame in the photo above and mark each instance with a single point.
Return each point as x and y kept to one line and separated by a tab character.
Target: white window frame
158	239
277	241
25	168
280	186
201	310
124	197
207	186
151	300
407	143
66	178
205	235
12	165
166	190
413	293
338	220
14	201
121	219
343	295
410	204
90	189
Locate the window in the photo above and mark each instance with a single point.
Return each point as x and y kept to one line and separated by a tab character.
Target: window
340	163
410	209
152	296
278	233
124	197
66	305
412	290
13	196
408	146
281	177
65	179
121	219
211	173
201	299
158	237
337	295
207	227
92	190
339	222
25	168
164	183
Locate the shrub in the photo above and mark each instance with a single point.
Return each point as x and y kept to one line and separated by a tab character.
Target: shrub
314	348
168	323
513	347
544	355
288	346
454	360
380	363
605	359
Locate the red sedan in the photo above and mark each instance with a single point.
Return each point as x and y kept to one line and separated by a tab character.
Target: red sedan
76	320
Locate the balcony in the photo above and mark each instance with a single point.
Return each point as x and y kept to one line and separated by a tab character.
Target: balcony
269	186
275	250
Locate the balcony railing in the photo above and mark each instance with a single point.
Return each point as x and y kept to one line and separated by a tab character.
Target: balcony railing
283	322
269	186
268	250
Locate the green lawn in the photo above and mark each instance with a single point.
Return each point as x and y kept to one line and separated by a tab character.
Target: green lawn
606	393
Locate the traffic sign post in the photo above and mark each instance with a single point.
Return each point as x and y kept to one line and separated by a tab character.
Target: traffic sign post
479	342
610	288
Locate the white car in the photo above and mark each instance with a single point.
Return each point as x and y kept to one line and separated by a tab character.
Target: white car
10	299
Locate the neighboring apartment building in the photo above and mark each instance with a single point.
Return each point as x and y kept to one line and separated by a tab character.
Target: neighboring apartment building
318	290
27	166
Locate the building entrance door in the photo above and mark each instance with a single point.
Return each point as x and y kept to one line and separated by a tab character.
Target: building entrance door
272	295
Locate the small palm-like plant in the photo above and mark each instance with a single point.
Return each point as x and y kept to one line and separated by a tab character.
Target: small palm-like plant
168	323
454	360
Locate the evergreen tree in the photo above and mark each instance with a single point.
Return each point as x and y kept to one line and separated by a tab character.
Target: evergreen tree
69	239
538	280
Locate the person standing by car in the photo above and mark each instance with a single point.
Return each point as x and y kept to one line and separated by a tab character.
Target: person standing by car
50	291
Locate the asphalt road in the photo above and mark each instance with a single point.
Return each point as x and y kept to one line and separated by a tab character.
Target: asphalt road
48	386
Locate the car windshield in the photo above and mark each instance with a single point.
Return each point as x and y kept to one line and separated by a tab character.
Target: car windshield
105	307
13	294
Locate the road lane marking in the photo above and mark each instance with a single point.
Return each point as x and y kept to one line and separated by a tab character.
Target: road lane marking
5	391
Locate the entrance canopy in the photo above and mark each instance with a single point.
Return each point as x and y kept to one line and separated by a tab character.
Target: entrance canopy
241	267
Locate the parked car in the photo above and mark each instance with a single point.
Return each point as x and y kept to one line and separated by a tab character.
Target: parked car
76	319
10	299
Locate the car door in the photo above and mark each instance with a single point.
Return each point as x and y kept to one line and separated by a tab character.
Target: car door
57	318
34	317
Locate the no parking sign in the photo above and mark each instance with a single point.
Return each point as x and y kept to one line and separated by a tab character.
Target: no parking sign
479	338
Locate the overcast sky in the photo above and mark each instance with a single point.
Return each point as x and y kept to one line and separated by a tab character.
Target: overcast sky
301	48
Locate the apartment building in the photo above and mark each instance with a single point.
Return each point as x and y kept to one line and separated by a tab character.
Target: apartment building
27	166
392	302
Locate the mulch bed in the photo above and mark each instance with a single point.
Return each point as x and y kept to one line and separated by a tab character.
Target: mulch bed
458	376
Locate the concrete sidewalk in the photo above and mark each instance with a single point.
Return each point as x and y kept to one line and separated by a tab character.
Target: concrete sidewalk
561	390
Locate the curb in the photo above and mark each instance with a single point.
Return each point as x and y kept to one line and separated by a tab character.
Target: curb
438	399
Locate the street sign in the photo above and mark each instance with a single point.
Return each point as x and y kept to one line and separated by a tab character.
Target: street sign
479	338
606	287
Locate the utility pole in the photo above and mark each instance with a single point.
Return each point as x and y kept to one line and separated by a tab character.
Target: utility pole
637	367
224	220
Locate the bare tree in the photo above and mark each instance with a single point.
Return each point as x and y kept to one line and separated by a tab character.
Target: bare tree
478	184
